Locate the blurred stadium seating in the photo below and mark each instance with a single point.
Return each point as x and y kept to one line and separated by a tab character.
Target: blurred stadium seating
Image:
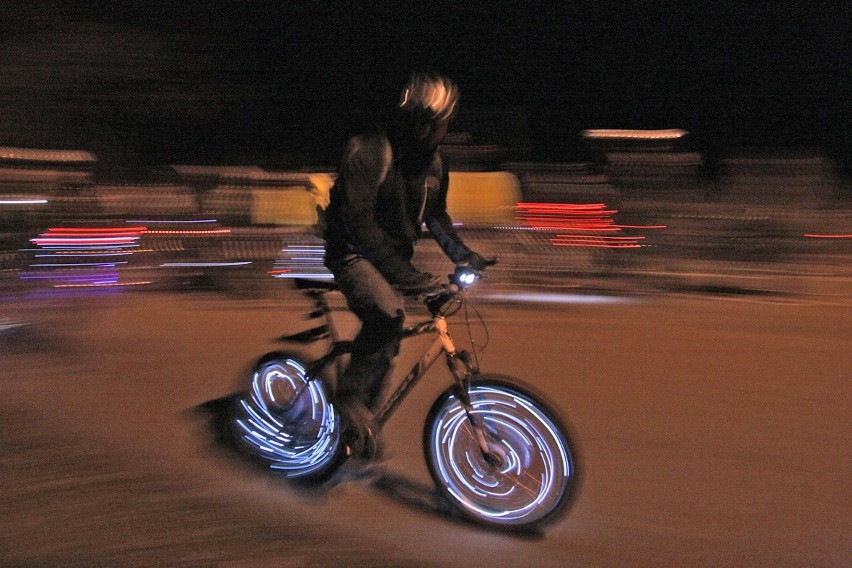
759	212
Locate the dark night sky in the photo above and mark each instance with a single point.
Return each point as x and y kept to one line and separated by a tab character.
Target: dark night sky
214	79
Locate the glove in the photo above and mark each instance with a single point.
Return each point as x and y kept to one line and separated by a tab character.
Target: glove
478	262
419	283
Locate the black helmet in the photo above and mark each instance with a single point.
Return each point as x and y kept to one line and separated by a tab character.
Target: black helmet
429	98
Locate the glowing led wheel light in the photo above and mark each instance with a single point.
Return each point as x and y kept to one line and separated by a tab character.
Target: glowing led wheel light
531	481
287	420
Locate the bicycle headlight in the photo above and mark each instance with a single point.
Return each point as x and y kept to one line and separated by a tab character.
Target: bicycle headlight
466	278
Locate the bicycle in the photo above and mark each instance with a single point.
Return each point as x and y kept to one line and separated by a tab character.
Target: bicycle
498	454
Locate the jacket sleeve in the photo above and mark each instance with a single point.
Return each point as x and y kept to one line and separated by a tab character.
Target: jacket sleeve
363	169
441	226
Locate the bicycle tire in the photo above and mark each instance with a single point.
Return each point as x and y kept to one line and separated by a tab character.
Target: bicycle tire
287	421
533	485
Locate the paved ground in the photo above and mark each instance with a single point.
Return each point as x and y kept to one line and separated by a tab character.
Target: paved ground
713	429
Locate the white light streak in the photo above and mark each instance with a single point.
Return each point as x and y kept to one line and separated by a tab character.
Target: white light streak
23	201
202	264
561	298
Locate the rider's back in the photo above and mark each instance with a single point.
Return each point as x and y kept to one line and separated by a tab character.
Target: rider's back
375	191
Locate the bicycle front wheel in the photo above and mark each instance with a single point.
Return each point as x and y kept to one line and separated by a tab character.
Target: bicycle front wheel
529	484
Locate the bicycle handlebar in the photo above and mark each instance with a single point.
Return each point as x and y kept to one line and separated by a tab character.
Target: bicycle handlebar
463	277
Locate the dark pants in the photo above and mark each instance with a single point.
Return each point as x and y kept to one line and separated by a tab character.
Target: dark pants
380	307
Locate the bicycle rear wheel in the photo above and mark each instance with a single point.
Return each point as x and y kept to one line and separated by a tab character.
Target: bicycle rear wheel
286	419
532	481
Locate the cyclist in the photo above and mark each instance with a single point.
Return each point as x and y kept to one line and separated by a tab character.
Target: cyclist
389	183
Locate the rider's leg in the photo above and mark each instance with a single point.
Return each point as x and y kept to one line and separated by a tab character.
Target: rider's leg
380	308
373	352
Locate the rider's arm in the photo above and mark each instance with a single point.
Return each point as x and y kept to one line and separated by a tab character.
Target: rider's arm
441	226
364	168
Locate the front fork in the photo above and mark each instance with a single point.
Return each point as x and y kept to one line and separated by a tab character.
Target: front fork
463	370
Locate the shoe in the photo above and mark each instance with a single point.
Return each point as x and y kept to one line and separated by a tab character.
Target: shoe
360	431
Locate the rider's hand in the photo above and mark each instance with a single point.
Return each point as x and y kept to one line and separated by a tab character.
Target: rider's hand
420	283
479	262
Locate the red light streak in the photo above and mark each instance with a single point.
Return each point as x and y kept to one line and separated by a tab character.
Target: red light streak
188	232
77	231
596	242
83	241
642	226
105	284
579	218
88	236
827	236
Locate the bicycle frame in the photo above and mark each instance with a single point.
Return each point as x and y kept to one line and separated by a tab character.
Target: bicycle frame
458	361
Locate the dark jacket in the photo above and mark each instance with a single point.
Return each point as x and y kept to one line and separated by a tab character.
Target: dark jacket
378	206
